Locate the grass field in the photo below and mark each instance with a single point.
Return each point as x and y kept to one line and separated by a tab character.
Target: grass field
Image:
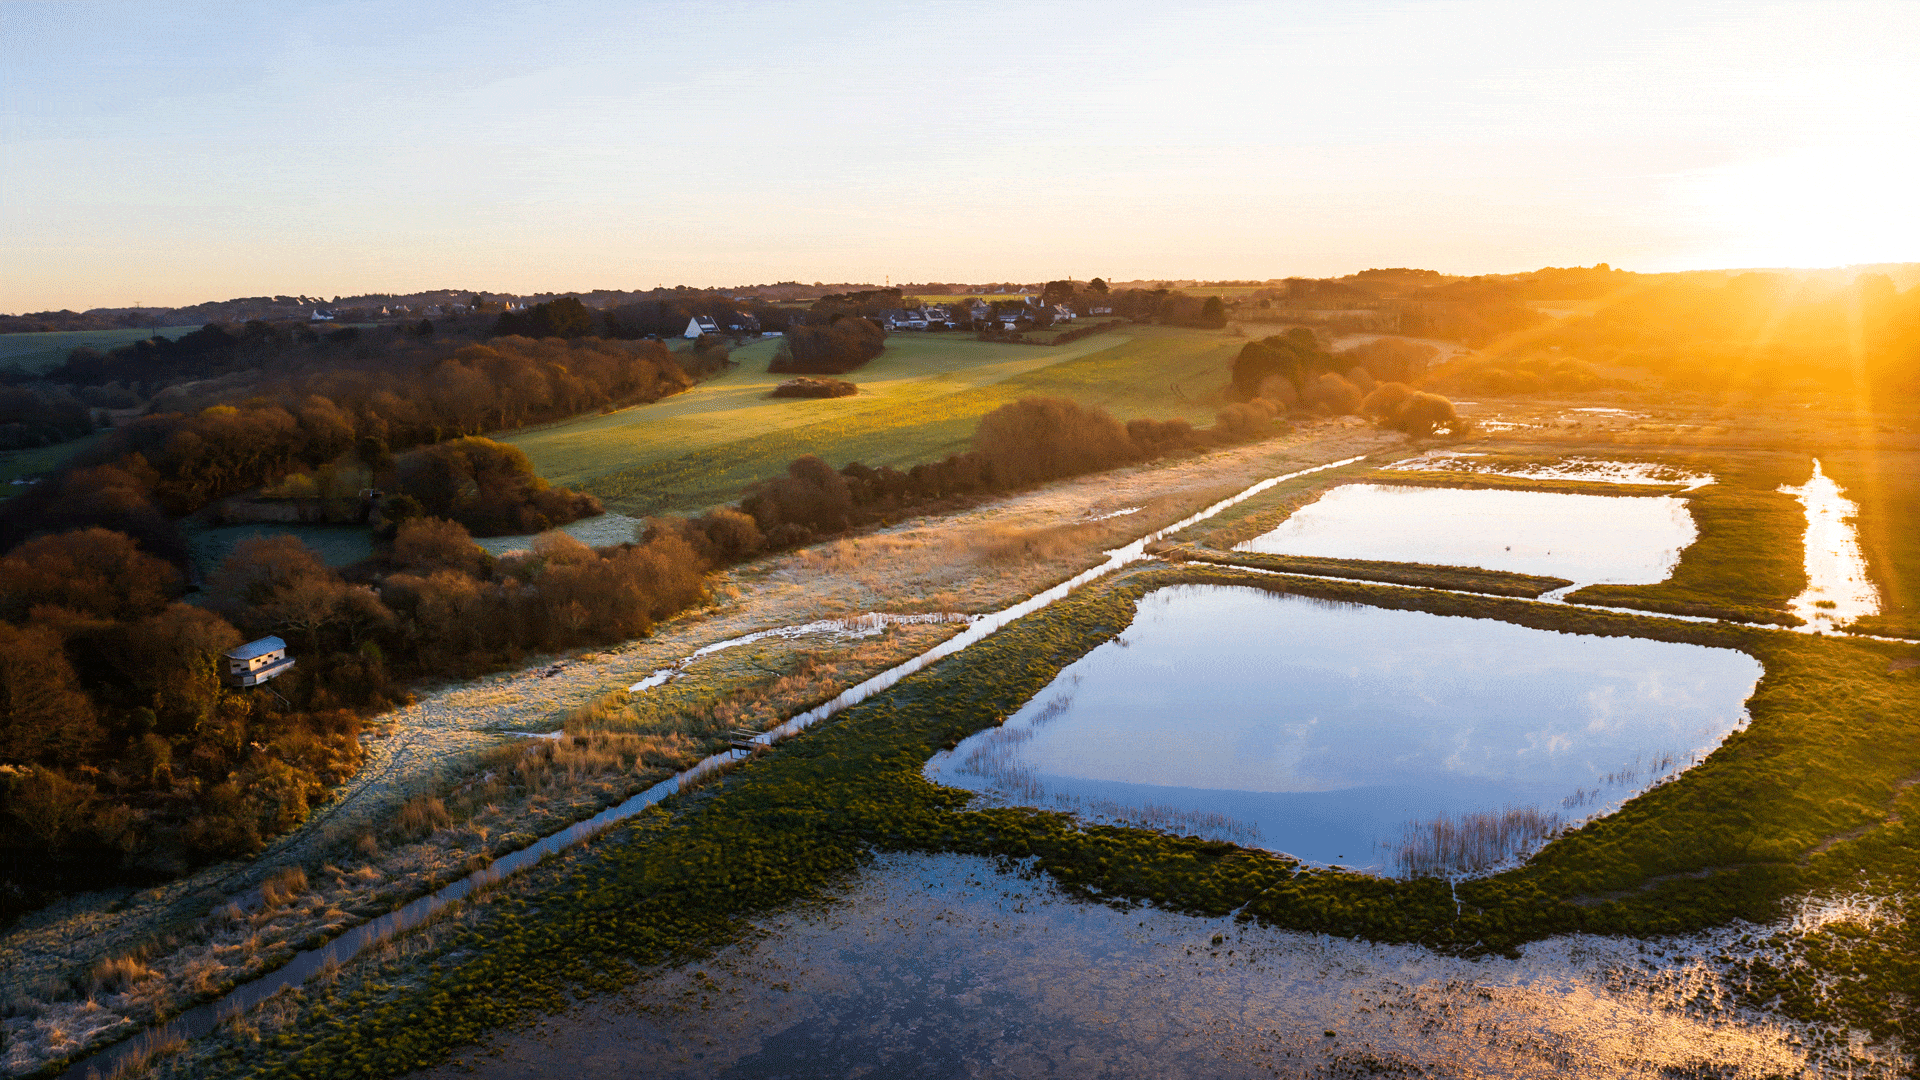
39	352
919	401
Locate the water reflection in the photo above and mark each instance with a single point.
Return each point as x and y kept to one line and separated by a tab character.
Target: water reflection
937	966
1328	731
1838	589
1587	539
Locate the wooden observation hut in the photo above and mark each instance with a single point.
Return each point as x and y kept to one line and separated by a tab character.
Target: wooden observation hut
257	661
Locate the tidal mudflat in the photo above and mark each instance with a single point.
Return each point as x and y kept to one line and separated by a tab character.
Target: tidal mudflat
1587	539
946	966
1352	735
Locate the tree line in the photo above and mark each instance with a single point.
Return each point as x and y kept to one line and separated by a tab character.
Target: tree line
316	408
1296	370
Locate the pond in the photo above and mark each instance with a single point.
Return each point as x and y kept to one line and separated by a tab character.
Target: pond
1587	539
601	530
337	545
1388	741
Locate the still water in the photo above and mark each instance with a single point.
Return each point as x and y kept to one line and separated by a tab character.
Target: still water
1587	539
1838	589
1339	734
944	966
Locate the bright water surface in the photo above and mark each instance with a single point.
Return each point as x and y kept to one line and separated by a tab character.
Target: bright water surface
1838	589
1587	539
1324	731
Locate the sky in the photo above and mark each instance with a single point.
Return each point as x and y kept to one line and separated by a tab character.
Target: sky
166	154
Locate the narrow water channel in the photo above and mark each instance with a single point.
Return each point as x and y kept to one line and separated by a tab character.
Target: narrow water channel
1838	589
203	1019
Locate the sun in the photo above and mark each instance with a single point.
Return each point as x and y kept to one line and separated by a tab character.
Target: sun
1818	206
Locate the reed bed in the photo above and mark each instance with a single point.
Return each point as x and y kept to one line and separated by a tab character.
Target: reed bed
1206	824
1474	842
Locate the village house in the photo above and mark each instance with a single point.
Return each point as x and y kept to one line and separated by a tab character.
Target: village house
257	661
701	324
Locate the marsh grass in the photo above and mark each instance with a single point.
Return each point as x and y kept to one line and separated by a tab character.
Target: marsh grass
150	1050
282	886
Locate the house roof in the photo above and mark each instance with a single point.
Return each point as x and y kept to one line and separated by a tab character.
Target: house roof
259	647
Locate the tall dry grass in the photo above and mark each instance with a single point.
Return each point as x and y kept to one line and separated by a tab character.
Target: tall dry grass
283	886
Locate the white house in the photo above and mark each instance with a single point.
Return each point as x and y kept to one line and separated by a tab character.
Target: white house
257	661
701	324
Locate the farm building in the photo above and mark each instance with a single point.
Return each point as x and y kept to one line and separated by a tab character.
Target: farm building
257	661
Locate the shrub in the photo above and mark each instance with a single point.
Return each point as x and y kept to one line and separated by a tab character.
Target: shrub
1333	395
1245	420
427	544
815	388
1038	439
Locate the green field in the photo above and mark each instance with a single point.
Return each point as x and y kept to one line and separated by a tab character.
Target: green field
40	352
19	464
919	401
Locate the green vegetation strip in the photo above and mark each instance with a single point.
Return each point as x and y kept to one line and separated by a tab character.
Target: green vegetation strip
1829	746
1463	578
1499	482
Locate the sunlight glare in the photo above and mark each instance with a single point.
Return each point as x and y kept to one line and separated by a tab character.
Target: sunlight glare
1823	206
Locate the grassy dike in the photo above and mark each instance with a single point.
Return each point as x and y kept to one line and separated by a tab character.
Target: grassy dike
1424	575
1830	743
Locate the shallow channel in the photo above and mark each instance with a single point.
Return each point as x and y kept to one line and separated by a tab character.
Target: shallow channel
1391	741
1587	539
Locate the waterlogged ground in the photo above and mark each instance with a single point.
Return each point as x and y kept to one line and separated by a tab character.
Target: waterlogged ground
1587	539
1338	733
944	966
